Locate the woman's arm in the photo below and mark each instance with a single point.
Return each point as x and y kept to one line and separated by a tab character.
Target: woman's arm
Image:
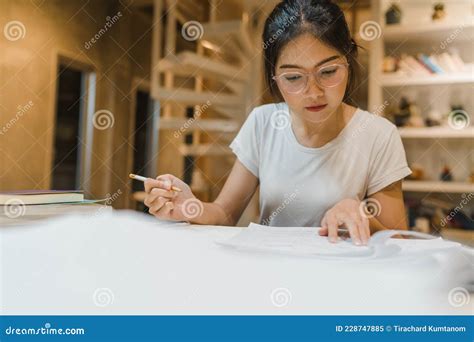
392	209
184	206
237	192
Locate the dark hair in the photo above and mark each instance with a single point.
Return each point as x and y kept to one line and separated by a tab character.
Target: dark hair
321	18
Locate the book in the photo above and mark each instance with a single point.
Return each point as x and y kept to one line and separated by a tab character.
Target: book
26	197
429	64
31	214
424	65
457	60
415	67
446	62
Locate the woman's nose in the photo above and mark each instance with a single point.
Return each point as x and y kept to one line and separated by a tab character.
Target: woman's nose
313	87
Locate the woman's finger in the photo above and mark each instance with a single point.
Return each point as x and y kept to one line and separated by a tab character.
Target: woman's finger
157	204
364	238
169	180
155	183
324	228
165	211
364	235
352	227
332	225
155	193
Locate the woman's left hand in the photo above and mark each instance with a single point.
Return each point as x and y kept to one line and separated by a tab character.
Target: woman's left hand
346	213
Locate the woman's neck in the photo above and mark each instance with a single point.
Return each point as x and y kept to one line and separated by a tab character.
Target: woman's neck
311	134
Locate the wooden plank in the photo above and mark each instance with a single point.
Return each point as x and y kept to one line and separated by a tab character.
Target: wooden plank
191	97
436	132
189	63
224	31
221	29
233	113
215	125
437	186
156	41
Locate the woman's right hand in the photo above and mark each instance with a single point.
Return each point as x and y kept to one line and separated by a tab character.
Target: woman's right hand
167	204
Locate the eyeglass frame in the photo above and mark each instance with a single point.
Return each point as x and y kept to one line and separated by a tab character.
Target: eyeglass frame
277	78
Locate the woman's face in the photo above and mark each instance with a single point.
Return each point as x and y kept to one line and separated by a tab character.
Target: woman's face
314	103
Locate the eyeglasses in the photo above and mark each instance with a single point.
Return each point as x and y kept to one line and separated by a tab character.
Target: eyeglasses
328	76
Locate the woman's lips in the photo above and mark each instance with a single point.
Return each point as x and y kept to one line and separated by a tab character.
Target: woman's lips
316	108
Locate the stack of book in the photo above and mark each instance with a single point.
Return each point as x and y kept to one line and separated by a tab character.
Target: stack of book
26	206
425	65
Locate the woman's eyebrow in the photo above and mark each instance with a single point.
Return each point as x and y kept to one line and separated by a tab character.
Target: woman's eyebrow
284	66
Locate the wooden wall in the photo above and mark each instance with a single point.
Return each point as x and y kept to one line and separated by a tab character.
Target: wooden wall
28	75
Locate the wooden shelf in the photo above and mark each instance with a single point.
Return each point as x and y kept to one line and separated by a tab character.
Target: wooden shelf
435	132
428	32
397	80
437	186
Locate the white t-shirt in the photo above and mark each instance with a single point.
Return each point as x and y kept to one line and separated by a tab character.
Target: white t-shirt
299	184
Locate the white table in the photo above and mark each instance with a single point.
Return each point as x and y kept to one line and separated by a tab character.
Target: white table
130	263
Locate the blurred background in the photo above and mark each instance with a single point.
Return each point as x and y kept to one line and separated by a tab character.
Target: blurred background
93	90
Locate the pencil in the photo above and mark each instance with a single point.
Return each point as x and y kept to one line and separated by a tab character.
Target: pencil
142	179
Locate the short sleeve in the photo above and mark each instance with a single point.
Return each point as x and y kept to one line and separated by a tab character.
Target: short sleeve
246	145
389	164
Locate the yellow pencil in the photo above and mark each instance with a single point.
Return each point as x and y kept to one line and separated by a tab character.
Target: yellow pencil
141	178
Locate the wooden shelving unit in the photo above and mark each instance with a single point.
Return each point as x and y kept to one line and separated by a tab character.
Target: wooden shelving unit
417	33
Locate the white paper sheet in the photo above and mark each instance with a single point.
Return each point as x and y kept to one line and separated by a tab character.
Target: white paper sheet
307	242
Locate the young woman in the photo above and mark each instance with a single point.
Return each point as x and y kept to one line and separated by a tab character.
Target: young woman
318	160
